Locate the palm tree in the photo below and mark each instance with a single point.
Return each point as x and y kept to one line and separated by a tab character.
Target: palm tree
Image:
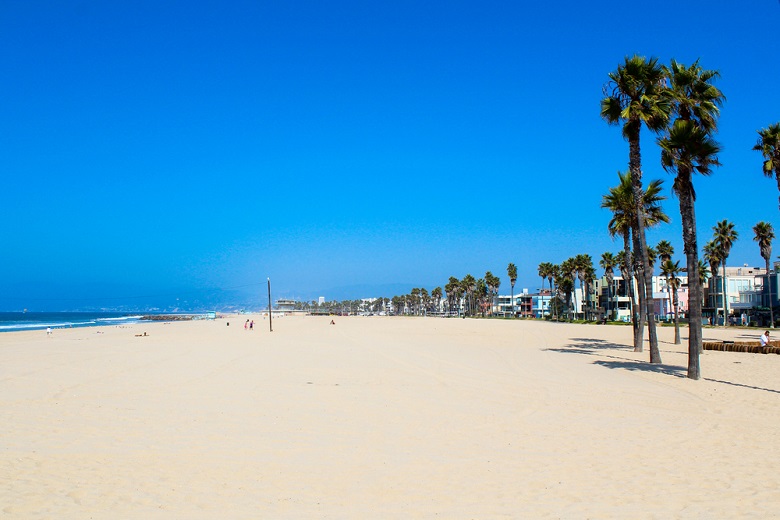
624	264
769	146
426	300
608	263
568	273
588	279
633	97
652	256
764	234
493	283
415	299
704	272
453	290
481	294
694	97
511	272
543	270
585	274
436	294
468	286
671	270
620	200
712	256
704	276
725	235
665	250
686	149
569	269
551	270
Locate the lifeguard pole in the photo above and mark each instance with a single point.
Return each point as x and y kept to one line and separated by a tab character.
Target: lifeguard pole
270	309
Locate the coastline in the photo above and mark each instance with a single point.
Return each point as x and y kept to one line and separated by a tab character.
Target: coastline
382	417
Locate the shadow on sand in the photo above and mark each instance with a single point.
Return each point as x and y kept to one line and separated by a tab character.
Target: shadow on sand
591	347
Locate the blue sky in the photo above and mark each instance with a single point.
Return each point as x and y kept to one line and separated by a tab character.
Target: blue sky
167	147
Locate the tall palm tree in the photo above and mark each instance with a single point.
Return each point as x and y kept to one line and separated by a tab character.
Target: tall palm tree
693	95
608	263
551	270
671	270
436	294
652	256
588	282
468	286
624	264
425	298
769	146
712	257
569	269
688	148
620	200
704	272
493	283
665	250
633	97
585	272
543	270
565	283
415	300
725	236
453	289
511	272
764	234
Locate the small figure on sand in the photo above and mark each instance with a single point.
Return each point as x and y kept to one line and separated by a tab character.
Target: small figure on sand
48	331
246	324
252	325
764	339
332	322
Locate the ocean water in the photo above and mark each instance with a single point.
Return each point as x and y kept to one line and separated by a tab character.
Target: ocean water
14	321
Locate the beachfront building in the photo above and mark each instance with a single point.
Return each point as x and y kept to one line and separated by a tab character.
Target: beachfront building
614	300
525	304
540	304
664	298
285	305
744	293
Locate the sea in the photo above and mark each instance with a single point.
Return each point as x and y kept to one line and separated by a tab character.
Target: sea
15	321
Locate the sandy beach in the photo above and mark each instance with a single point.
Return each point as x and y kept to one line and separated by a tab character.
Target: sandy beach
377	417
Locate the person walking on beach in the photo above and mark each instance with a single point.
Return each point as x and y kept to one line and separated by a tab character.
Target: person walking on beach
246	324
252	325
764	339
48	331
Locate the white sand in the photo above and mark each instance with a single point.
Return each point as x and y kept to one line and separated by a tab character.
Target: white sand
382	418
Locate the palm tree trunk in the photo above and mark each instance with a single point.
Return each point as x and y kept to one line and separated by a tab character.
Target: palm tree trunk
688	217
635	314
640	291
677	340
512	301
635	165
725	298
769	288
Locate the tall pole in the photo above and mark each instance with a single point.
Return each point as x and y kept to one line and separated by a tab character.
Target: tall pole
270	313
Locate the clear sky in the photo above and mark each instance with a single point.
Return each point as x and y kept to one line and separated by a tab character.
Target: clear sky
165	147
